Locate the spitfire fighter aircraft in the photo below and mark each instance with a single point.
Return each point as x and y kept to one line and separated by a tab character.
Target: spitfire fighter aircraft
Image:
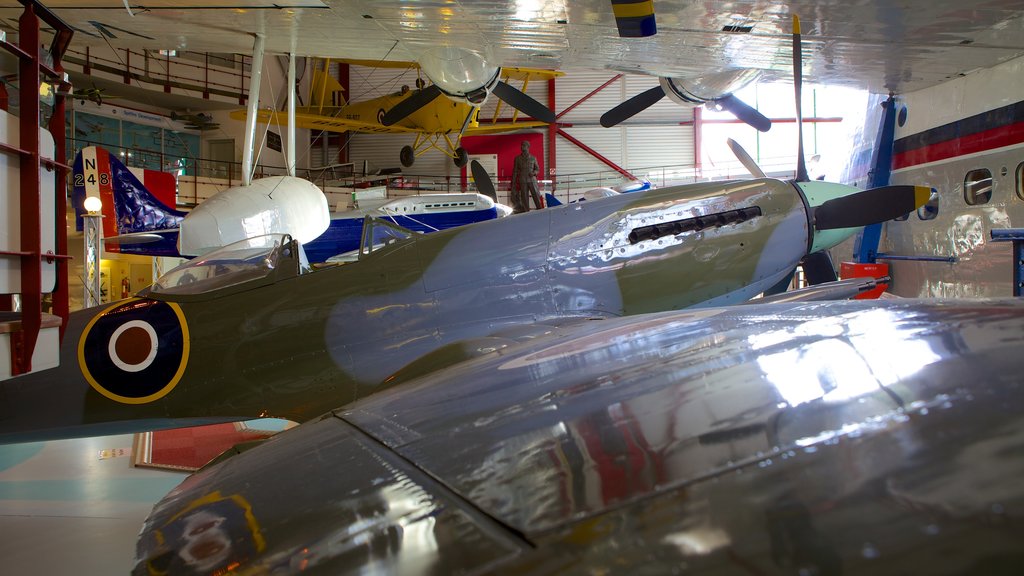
439	123
249	331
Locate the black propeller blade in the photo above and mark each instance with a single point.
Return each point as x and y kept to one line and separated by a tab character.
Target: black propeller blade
870	206
744	112
483	180
523	102
632	107
410	105
798	79
818	268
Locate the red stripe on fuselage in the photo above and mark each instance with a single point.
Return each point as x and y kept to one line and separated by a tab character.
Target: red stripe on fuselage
106	193
971	144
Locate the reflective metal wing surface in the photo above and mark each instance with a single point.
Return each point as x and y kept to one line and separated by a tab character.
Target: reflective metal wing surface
780	438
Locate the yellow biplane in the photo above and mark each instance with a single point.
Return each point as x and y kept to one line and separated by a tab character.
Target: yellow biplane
438	123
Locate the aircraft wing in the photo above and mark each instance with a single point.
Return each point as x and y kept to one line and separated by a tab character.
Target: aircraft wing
313	121
900	46
498	127
832	438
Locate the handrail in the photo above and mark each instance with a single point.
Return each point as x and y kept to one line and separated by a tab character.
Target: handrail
128	67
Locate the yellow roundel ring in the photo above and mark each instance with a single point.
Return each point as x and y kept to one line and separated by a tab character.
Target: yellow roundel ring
135	351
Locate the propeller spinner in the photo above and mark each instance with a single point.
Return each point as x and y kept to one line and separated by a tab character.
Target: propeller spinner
464	76
711	90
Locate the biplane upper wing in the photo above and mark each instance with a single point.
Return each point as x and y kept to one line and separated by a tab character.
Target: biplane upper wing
312	120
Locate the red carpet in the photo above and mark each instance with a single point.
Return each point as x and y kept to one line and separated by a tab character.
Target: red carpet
188	449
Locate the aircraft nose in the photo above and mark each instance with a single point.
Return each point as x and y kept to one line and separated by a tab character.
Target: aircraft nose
838	210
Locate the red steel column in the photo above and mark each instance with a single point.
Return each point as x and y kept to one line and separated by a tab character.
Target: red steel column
24	342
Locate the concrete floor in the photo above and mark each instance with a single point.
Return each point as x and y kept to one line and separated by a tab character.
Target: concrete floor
64	509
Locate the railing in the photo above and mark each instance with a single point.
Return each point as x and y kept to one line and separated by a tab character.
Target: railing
166	70
193	172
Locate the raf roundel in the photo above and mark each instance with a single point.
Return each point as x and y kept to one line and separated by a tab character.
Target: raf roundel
135	351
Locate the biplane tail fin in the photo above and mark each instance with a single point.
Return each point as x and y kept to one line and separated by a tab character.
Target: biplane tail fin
325	90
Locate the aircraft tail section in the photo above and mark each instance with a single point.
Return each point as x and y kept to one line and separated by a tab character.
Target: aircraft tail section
129	207
325	90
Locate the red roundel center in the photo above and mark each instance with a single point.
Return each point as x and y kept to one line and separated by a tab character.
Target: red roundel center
133	346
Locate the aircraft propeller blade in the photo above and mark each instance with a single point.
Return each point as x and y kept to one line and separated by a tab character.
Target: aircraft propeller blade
483	180
523	102
410	105
745	159
743	111
798	79
818	268
870	206
632	107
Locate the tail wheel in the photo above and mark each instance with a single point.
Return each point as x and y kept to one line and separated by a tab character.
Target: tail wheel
461	157
407	156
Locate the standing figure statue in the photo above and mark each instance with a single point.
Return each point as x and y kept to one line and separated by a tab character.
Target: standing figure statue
524	181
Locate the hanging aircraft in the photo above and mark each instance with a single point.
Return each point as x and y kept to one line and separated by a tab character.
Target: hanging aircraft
92	94
439	123
136	222
195	121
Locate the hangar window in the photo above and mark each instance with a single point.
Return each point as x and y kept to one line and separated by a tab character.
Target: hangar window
1020	181
931	208
978	186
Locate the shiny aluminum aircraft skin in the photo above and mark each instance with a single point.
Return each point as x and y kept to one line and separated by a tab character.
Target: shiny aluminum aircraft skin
295	345
952	131
829	438
897	45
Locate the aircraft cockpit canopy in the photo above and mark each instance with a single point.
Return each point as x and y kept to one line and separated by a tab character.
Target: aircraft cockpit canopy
239	263
378	233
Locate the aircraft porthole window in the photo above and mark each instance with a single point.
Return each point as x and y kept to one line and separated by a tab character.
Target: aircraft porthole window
931	208
1020	181
978	186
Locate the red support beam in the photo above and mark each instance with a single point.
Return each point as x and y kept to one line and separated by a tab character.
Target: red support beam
23	342
587	97
596	154
61	294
